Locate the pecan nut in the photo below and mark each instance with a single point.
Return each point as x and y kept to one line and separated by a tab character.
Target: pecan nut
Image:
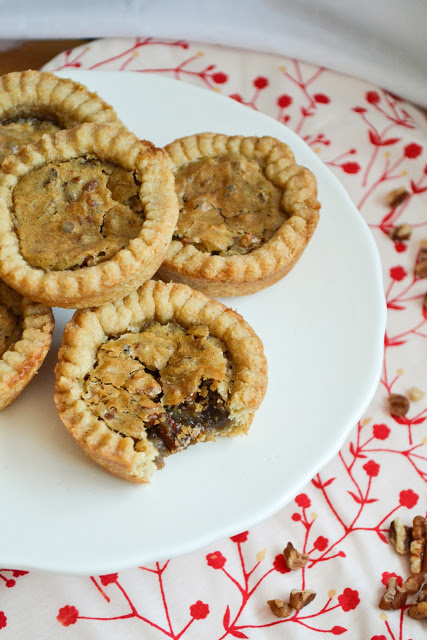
418	544
400	536
280	608
401	232
413	583
418	610
399	405
421	266
300	599
394	597
293	558
397	196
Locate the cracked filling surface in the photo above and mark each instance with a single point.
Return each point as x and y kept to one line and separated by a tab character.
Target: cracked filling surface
10	318
227	205
19	131
167	383
76	213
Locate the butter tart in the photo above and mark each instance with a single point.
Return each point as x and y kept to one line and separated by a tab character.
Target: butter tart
33	103
25	336
147	376
247	212
86	216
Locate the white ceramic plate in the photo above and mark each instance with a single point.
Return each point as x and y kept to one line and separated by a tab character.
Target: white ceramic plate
322	328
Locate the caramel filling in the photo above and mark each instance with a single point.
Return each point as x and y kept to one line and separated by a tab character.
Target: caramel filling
20	131
166	383
10	318
76	213
227	205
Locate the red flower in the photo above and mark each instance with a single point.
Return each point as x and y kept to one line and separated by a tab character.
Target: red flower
372	468
359	109
372	97
386	577
296	517
303	500
261	82
3	620
109	578
413	150
398	273
381	431
67	615
241	537
351	167
219	77
321	98
199	610
216	560
337	631
284	101
321	543
400	247
408	498
280	565
349	599
236	96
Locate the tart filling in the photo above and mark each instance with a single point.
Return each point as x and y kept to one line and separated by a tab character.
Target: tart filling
76	213
165	383
227	205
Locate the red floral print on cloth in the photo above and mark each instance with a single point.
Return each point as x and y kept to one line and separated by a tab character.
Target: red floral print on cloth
199	610
374	142
67	616
3	620
216	560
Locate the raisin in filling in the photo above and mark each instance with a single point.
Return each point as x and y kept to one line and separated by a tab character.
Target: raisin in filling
227	205
15	132
10	318
76	213
165	384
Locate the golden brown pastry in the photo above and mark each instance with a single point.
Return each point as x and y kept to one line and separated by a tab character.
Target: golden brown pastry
247	212
25	336
151	374
33	103
86	216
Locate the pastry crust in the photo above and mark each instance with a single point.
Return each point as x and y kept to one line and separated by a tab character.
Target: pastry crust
233	275
154	302
128	267
23	357
45	97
